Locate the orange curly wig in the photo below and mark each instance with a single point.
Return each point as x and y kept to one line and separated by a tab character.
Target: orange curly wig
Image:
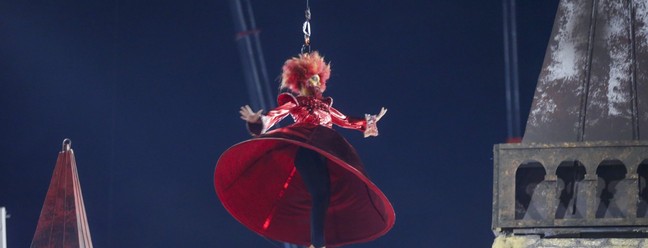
297	70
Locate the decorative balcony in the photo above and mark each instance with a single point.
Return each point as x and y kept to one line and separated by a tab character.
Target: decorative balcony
584	188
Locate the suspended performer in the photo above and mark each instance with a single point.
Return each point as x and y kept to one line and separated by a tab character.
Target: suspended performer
304	183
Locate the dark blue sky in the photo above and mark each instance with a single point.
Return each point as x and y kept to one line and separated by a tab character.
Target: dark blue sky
149	93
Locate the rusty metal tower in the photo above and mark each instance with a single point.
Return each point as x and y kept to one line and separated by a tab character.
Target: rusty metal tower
581	170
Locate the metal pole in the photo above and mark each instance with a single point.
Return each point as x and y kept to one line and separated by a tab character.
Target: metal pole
3	227
267	95
250	50
511	71
507	67
514	67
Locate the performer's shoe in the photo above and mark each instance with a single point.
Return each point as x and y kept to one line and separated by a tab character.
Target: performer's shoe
315	247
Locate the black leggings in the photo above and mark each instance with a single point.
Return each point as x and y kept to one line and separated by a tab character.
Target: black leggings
314	172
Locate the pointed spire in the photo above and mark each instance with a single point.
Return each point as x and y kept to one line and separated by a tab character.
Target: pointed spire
63	221
594	82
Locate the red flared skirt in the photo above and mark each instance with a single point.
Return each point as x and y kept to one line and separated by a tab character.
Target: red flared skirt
258	184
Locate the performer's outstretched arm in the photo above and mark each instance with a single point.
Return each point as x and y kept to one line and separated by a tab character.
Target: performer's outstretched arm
367	125
258	123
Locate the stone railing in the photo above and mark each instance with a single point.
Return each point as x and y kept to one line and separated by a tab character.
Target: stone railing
553	189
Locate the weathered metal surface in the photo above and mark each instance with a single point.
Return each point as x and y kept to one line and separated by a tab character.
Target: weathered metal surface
593	85
553	117
609	110
63	221
585	184
640	35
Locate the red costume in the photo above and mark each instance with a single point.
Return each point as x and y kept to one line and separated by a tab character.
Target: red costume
257	182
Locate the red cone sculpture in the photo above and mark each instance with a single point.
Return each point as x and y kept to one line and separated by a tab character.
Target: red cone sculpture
63	221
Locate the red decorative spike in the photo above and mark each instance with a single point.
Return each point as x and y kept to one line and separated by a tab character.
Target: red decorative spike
63	221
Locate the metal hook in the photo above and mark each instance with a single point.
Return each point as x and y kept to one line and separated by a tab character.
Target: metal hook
306	29
67	144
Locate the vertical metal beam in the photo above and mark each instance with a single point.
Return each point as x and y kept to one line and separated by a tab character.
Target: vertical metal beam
3	227
516	80
633	74
507	66
247	37
267	94
586	81
511	70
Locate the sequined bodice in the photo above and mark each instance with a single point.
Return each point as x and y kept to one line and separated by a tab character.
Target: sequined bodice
312	110
306	110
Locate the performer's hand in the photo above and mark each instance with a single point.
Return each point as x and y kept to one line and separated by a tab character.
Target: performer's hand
383	111
248	115
372	128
